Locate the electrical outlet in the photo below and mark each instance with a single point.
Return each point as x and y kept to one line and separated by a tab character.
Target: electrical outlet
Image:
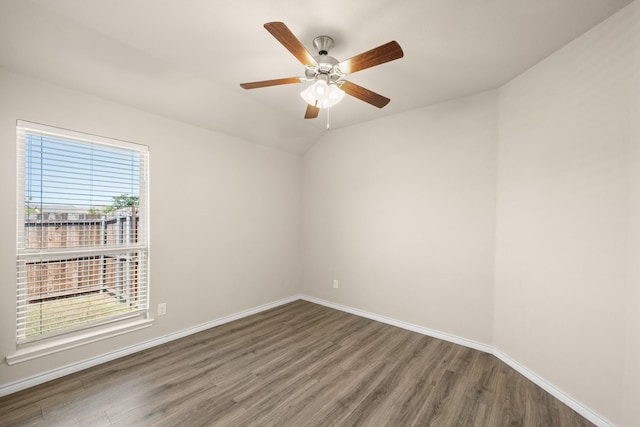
335	283
162	309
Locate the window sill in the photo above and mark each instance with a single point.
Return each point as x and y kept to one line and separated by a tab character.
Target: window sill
36	350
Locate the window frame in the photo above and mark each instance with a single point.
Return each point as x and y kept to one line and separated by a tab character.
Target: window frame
109	325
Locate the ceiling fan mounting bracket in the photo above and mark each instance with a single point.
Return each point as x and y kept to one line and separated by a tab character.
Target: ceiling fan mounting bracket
323	44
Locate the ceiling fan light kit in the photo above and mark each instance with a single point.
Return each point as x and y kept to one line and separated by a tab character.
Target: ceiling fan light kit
322	95
327	73
325	92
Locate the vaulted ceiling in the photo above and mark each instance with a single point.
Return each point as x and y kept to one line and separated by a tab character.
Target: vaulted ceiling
185	59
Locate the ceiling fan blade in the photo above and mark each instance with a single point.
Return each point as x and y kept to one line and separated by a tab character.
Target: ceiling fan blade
265	83
376	56
312	112
363	94
282	33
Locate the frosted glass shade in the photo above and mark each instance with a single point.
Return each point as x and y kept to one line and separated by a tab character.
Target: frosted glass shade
322	95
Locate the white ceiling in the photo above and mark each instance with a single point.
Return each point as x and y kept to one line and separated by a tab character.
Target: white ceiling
184	59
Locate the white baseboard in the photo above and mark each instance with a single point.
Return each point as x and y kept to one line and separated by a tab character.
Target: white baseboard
541	382
404	325
76	367
554	391
545	385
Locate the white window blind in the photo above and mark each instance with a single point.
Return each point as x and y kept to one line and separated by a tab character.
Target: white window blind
81	231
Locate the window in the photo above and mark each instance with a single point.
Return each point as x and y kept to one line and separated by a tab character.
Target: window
81	231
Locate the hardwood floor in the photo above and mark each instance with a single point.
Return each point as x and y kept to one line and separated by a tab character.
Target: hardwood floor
300	364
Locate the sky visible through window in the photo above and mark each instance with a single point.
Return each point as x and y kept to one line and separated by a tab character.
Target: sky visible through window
65	175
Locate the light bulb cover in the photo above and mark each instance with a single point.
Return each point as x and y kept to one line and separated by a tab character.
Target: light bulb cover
320	90
322	95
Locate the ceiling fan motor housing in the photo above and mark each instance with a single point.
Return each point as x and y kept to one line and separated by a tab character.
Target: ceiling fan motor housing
326	69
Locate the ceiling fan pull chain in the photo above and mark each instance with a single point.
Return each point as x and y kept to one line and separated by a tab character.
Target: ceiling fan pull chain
328	118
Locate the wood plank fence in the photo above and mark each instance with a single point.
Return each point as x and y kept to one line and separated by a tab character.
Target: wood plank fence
66	276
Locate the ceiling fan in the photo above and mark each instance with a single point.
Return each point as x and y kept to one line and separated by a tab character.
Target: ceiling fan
327	73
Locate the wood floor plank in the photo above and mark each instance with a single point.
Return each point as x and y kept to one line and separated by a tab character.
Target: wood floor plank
300	364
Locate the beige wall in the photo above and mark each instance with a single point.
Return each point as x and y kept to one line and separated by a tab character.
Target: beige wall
631	390
244	198
562	217
401	211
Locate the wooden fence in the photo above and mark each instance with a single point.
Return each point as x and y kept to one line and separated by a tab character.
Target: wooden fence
66	276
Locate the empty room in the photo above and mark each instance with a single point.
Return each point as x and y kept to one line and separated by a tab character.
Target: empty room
366	213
